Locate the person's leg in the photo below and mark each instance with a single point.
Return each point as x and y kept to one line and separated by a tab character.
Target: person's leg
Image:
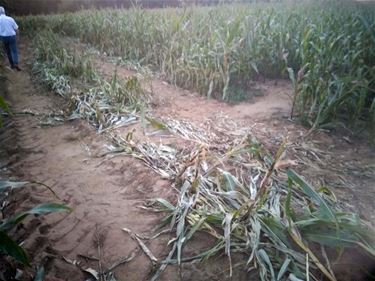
7	50
13	50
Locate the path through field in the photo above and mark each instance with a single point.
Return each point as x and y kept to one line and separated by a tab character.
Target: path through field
273	100
105	195
107	192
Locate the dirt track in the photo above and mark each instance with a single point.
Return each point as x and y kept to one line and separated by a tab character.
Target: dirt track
103	194
107	192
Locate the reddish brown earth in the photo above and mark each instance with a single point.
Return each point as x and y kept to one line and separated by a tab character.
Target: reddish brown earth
106	193
273	100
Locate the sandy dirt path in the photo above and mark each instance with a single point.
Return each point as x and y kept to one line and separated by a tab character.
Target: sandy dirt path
104	194
273	99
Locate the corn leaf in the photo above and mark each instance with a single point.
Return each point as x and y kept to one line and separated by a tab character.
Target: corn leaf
9	247
325	210
11	184
38	210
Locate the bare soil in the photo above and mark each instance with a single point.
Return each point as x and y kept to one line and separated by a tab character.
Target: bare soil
273	99
107	193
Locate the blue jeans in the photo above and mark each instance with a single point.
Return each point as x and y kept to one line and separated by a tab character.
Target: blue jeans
10	47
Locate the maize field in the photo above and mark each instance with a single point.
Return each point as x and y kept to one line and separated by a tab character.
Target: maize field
229	184
326	48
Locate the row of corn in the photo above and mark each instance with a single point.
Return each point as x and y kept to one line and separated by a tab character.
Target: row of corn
327	49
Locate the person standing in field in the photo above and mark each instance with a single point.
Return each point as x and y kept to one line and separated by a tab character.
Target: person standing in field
8	31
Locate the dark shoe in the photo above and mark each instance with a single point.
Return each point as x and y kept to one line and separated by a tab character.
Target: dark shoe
16	67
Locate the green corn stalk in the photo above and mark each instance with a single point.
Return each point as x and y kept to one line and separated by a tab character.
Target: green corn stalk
213	50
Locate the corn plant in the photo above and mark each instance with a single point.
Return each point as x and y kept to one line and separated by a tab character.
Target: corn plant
7	245
58	67
336	80
70	73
